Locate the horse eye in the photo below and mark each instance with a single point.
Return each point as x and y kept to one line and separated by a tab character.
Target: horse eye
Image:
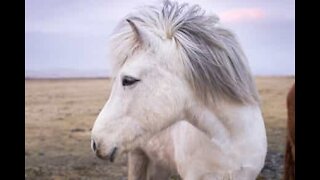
128	81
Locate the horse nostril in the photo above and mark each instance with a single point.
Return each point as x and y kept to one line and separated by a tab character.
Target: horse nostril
93	145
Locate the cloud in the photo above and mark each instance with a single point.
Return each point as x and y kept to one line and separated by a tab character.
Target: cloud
242	15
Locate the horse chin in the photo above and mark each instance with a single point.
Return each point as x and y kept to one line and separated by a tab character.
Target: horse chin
107	157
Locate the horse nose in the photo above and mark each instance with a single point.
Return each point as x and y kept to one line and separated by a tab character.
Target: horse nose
93	146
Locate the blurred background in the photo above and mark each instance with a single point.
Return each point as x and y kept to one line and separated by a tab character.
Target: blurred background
67	69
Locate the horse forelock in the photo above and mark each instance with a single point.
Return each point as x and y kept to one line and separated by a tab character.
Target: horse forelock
216	67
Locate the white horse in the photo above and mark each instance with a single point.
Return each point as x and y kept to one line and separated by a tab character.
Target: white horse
183	99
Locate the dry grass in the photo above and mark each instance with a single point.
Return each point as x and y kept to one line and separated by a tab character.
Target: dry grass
273	92
60	113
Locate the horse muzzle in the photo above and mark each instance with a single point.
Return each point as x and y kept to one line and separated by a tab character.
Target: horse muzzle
100	154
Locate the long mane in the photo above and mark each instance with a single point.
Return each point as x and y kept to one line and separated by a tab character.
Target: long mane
215	64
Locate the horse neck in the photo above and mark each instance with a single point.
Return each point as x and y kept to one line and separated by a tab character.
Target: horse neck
228	123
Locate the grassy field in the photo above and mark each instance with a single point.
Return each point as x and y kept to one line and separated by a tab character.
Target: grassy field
59	115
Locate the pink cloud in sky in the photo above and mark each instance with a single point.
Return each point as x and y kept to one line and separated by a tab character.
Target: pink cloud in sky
242	14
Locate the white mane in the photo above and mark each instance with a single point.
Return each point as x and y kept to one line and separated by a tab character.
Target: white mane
215	65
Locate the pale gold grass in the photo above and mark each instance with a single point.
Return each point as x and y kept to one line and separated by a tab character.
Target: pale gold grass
60	113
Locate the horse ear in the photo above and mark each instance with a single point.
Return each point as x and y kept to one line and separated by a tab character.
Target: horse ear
139	34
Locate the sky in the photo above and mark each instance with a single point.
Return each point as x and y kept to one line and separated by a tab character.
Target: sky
70	38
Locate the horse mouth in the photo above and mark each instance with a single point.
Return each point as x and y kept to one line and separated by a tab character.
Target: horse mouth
113	154
110	157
